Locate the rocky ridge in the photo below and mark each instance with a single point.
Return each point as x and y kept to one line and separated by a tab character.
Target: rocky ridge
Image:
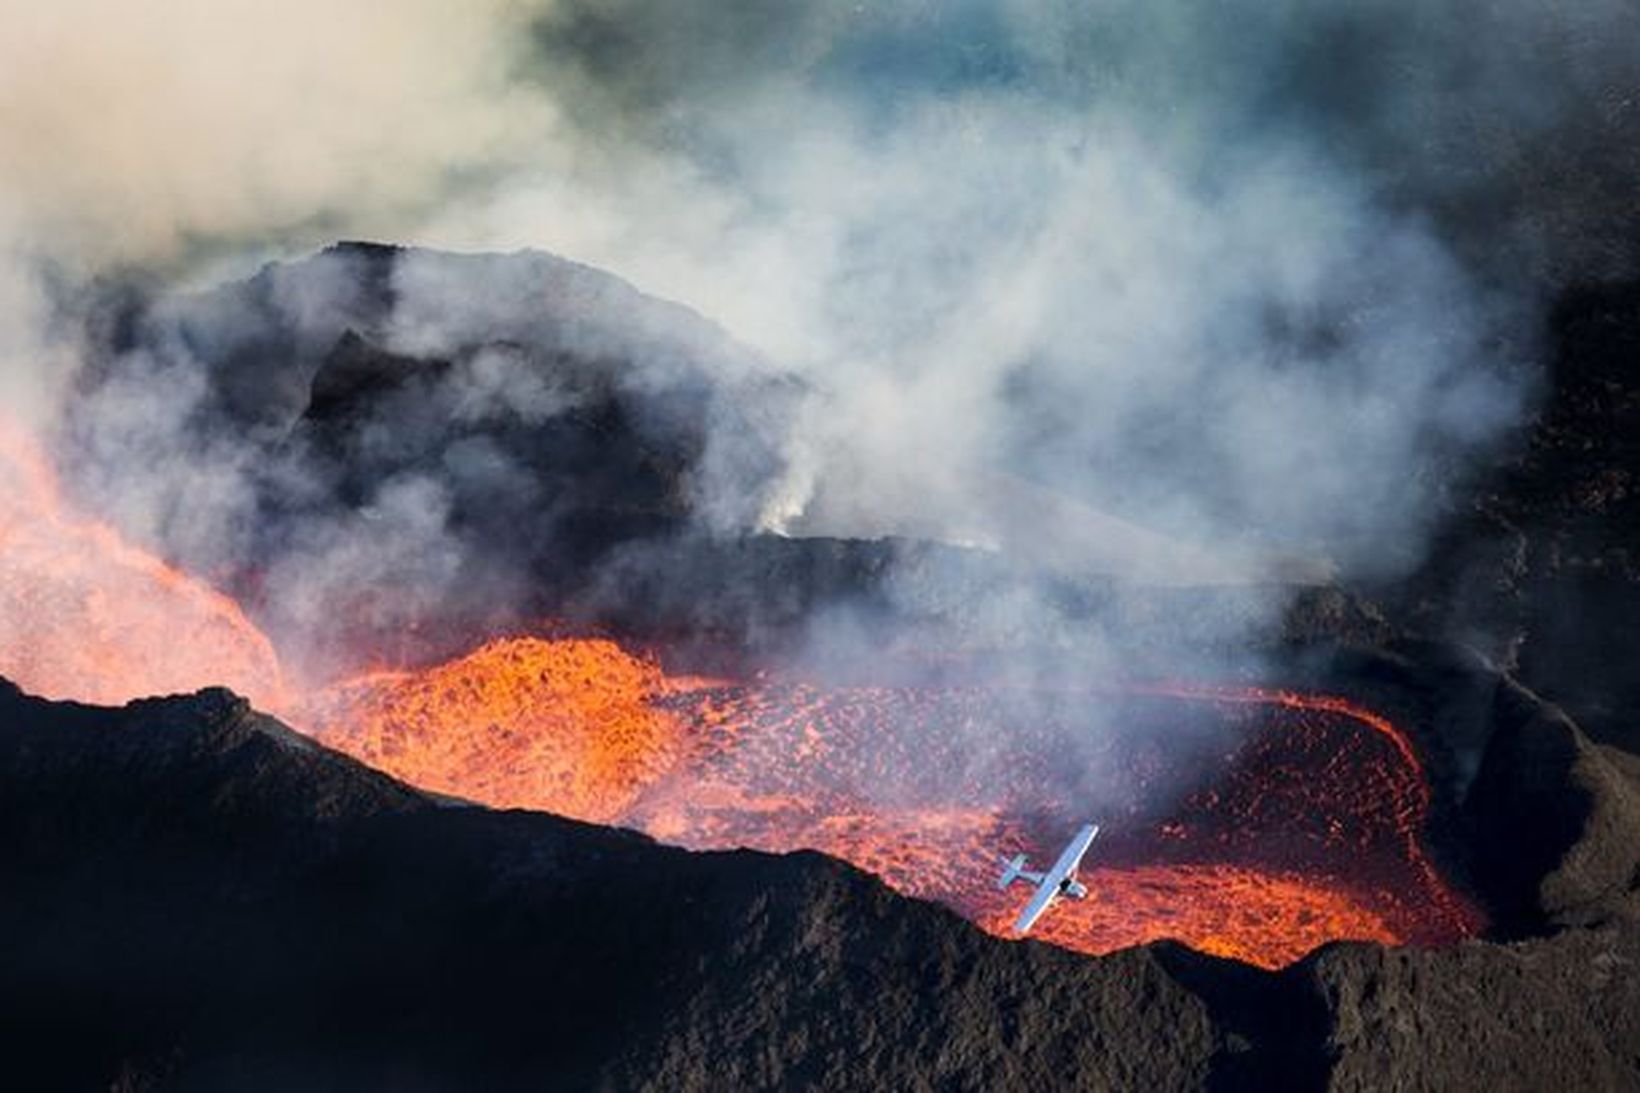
199	898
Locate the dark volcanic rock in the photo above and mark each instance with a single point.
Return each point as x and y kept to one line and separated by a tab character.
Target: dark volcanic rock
197	898
1560	816
1537	561
1556	1013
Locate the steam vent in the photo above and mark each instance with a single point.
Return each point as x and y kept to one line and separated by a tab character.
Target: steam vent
1001	545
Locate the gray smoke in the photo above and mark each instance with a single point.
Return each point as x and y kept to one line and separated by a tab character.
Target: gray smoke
1228	285
1178	294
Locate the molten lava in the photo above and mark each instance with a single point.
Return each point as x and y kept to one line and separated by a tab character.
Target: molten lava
526	723
1249	823
1254	824
88	616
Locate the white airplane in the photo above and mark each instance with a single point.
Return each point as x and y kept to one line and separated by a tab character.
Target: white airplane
1056	882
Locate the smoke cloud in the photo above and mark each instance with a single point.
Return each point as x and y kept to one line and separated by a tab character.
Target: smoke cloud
1251	277
1180	294
141	132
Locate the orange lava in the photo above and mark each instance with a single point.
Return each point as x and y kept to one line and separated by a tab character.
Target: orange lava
1252	824
562	725
1259	916
85	615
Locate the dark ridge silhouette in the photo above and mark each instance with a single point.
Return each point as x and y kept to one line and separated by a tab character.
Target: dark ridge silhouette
198	898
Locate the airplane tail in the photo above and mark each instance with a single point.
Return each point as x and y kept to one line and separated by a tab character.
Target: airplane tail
1011	870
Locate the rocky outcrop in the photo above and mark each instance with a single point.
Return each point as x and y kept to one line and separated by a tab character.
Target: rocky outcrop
1553	1013
1535	558
1559	817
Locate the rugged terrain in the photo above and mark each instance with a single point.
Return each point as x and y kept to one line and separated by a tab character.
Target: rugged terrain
200	898
1536	561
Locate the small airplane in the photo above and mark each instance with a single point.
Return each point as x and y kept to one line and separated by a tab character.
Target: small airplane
1056	882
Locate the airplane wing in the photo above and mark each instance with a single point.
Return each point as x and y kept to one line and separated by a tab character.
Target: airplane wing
1046	892
1033	910
1071	856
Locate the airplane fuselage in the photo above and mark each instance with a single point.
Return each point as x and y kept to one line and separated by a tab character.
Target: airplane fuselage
1058	882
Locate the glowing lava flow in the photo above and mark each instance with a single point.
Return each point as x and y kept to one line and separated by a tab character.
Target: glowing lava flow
85	615
1251	823
526	723
1254	824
